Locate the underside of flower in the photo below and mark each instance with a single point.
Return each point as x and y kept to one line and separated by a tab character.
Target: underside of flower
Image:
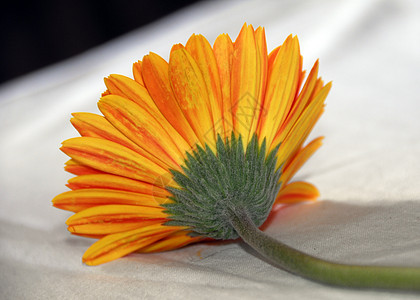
186	143
201	147
215	185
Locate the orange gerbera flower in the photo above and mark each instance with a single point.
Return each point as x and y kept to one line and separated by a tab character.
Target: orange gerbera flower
154	125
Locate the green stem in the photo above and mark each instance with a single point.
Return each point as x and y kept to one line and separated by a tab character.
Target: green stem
316	269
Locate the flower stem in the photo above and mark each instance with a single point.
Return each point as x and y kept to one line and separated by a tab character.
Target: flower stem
299	263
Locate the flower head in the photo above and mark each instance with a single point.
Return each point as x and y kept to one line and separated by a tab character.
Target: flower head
143	168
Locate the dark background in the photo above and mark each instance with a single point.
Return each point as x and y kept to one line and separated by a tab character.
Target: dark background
38	33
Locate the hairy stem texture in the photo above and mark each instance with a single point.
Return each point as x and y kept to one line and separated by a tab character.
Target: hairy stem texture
299	263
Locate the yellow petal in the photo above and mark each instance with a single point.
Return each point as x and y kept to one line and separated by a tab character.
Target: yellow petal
297	191
201	51
156	79
141	128
262	73
223	52
113	158
303	126
292	166
190	90
137	72
271	58
79	200
174	241
245	83
92	125
127	88
77	168
301	76
117	245
300	104
114	182
108	219
282	85
91	236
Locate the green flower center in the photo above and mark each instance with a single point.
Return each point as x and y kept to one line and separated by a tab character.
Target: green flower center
215	185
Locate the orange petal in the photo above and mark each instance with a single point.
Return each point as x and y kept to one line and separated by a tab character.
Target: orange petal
92	125
77	168
299	105
127	88
108	219
156	78
141	128
174	241
113	158
190	90
245	83
79	200
271	57
137	72
318	86
297	191
223	52
130	89
292	166
201	51
282	85
303	126
262	74
117	245
91	236
301	77
114	182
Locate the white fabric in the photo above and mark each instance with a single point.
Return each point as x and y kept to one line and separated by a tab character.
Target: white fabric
367	170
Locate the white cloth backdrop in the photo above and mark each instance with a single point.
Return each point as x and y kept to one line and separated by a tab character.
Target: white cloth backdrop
367	170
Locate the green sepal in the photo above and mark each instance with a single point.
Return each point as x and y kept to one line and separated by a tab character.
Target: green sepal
212	184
